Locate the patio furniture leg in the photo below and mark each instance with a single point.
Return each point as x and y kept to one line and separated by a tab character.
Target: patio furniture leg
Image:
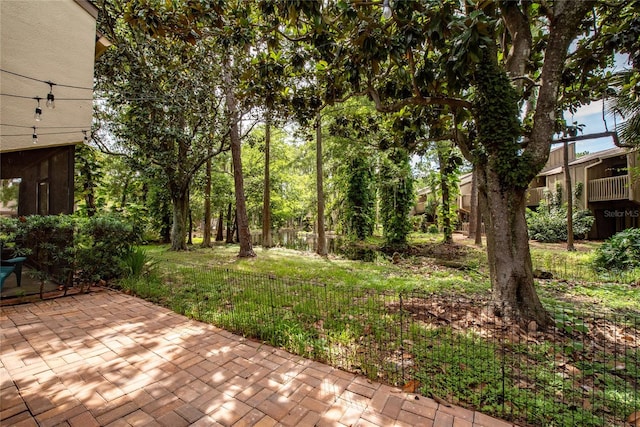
17	264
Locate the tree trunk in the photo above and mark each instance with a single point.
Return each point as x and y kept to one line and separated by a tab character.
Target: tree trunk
229	238
267	238
190	235
91	203
569	191
513	294
321	247
220	228
244	233
179	228
447	230
165	230
478	223
206	234
236	229
473	211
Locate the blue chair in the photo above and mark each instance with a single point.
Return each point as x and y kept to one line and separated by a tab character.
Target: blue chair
16	263
5	271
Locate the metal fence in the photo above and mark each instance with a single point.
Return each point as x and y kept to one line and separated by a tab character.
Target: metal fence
583	372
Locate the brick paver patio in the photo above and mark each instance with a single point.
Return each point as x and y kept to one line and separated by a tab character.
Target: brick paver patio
110	359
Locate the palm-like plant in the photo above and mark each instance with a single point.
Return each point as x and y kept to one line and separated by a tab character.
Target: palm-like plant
626	103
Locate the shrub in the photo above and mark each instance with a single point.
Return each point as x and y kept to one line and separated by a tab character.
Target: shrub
48	242
102	243
550	224
620	252
60	246
433	229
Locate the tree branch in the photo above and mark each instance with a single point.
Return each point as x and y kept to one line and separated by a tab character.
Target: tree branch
415	100
517	23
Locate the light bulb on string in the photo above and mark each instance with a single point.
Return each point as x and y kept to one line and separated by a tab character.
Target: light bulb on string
50	97
34	136
38	114
386	10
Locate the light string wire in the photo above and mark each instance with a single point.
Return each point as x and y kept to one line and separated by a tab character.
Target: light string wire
41	134
43	127
48	82
33	97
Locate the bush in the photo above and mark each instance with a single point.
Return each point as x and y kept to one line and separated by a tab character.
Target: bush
63	245
433	229
102	244
550	225
620	252
48	243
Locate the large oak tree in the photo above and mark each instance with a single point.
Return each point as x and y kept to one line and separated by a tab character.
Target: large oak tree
489	58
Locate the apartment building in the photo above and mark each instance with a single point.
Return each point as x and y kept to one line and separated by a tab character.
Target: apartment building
609	183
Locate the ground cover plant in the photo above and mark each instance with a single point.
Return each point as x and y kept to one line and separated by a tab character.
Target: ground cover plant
417	320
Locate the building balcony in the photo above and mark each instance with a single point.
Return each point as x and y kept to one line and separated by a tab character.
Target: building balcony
605	189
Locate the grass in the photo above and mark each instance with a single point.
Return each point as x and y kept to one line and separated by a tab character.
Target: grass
345	313
575	283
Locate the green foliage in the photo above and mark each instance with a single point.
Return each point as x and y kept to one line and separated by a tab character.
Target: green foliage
102	243
396	197
499	131
360	209
550	224
9	191
8	231
88	175
63	246
620	252
138	263
291	183
48	240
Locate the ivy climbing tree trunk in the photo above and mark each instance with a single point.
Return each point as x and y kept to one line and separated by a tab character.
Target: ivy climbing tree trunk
447	229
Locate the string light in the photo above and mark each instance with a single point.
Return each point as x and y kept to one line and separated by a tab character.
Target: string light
49	82
35	136
386	10
38	113
85	139
50	98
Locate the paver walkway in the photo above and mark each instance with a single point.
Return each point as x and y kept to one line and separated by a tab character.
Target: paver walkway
110	359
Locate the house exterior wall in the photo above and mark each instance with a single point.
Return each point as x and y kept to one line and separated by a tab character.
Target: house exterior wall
46	41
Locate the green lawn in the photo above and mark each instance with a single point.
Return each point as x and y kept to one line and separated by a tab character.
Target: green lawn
575	284
418	318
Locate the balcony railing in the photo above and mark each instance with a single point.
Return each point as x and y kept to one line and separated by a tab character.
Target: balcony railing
613	188
535	195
